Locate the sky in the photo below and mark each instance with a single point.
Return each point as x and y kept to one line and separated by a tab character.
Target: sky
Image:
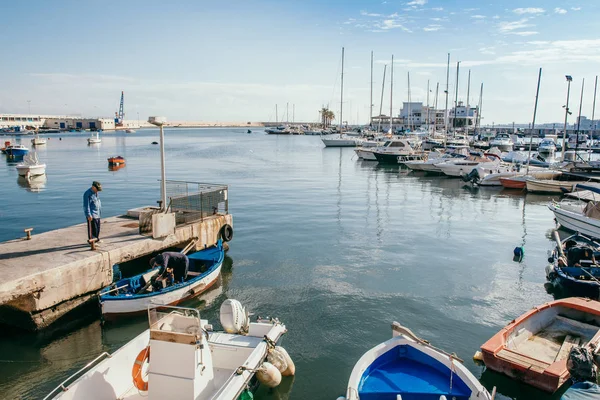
235	61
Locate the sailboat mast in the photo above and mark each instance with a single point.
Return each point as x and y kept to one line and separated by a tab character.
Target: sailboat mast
342	94
381	102
427	105
276	116
293	113
371	98
437	87
409	105
537	93
478	122
594	106
579	117
287	113
392	97
456	99
446	110
468	104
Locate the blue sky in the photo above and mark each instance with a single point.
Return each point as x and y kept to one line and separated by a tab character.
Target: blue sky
233	61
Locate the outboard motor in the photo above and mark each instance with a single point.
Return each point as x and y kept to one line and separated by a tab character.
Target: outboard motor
472	176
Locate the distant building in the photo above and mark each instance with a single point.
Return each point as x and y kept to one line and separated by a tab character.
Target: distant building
586	124
462	116
61	122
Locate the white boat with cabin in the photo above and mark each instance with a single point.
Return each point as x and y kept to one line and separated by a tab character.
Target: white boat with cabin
38	141
189	361
94	138
464	166
547	146
340	141
503	142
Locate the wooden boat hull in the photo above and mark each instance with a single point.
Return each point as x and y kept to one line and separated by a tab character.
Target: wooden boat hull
504	352
549	186
118	305
513	183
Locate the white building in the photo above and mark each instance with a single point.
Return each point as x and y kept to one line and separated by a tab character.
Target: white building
462	116
62	122
415	115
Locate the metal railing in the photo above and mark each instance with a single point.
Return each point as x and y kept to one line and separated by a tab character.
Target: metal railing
82	369
195	201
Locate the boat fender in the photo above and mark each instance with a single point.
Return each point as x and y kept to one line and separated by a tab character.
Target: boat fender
519	253
550	272
268	375
136	371
226	233
291	369
276	358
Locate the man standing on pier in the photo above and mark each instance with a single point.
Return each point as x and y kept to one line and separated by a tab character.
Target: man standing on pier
91	209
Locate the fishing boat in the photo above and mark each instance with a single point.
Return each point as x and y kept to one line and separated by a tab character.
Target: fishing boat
534	347
6	145
134	295
16	150
116	160
432	160
189	361
129	130
573	268
31	166
579	217
495	179
94	138
408	367
550	185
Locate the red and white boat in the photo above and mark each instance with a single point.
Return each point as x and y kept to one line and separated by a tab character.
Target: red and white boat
534	347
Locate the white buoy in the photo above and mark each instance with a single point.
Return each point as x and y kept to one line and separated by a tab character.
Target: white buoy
291	367
233	316
268	375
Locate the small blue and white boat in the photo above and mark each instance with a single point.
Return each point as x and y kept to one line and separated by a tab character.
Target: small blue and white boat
126	297
409	368
574	268
16	150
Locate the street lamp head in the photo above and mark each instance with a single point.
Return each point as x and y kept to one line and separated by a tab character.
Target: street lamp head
569	78
158	121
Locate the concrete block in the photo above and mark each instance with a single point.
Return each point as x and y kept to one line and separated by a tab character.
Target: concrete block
163	225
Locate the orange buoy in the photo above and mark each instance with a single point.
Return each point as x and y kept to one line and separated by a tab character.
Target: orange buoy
136	372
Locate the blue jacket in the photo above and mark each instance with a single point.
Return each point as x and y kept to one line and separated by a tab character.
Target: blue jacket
91	204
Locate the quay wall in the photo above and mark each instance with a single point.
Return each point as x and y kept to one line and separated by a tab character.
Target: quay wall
67	276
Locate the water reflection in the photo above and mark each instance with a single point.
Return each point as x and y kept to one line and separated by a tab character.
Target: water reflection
33	184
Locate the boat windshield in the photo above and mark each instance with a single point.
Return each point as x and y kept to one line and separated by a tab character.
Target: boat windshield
175	320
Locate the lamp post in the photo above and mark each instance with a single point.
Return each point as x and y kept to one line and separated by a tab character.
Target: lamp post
564	144
160	121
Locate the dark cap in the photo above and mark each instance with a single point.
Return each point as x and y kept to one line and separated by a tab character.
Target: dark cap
97	185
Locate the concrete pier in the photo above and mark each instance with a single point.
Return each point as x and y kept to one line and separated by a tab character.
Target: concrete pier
44	278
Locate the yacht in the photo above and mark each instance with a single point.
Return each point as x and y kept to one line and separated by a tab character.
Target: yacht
392	149
503	142
547	146
464	166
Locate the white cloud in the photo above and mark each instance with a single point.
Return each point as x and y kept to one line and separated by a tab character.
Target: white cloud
575	8
487	50
477	16
507	27
368	14
524	33
558	10
529	10
435	19
496	17
417	3
432	28
437	9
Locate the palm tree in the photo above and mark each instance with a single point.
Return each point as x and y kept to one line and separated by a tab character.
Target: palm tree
326	116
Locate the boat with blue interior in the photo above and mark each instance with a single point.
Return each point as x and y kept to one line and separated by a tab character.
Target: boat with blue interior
134	295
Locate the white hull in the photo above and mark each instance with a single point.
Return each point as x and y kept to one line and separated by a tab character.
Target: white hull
31	170
478	392
38	142
94	141
576	221
339	142
364	154
494	179
116	307
457	170
415	165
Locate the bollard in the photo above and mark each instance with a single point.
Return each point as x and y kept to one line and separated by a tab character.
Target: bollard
28	232
92	243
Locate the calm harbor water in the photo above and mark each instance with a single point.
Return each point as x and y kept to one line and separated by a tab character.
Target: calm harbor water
336	248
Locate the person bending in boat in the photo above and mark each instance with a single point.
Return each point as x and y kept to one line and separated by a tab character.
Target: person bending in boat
172	265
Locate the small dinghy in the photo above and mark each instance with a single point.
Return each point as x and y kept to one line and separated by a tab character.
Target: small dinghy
409	368
116	160
534	347
574	267
189	361
134	295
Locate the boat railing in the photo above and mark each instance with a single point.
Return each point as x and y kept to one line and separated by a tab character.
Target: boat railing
86	367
